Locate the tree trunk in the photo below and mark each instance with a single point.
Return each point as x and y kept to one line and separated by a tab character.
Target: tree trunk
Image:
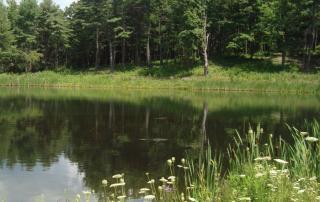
309	45
137	53
246	51
97	49
66	59
205	47
30	67
111	56
123	53
160	42
148	48
56	56
316	38
283	57
313	41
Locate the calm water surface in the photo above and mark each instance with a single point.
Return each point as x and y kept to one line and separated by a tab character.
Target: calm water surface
56	143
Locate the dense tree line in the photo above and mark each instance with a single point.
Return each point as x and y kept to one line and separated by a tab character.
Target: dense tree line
35	36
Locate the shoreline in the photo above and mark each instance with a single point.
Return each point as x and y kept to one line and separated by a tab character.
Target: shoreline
213	90
220	80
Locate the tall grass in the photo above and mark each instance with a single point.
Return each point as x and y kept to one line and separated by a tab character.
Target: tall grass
260	168
225	75
304	153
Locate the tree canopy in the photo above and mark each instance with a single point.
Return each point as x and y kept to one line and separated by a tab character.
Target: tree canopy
104	33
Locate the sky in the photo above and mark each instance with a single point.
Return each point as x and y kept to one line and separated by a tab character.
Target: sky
63	3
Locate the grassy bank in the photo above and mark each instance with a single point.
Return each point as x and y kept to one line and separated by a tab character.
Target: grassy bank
259	168
225	75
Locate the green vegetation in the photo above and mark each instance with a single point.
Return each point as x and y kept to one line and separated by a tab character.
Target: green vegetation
164	45
39	35
226	75
260	168
152	44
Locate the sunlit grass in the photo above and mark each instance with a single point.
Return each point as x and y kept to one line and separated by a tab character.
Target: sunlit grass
242	75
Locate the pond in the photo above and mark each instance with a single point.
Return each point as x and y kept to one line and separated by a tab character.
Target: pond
55	143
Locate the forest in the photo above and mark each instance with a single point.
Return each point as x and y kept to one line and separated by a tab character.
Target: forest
37	36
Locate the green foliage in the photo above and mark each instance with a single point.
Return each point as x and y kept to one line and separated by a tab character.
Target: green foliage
6	37
12	60
32	58
137	31
53	34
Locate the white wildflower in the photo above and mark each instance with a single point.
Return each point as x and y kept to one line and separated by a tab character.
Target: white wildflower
151	181
314	178
265	158
104	182
311	139
149	197
245	199
192	199
273	172
172	178
296	188
121	197
144	189
117	176
117	184
281	161
182	197
163	180
259	175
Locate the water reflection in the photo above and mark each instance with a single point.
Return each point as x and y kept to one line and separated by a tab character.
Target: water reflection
61	180
58	143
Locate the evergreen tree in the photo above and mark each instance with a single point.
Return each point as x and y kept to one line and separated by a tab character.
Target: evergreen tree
53	33
109	32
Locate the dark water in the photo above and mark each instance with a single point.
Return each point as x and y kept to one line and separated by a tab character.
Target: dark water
56	143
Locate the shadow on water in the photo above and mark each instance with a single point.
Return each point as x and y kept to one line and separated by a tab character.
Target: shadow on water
130	132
